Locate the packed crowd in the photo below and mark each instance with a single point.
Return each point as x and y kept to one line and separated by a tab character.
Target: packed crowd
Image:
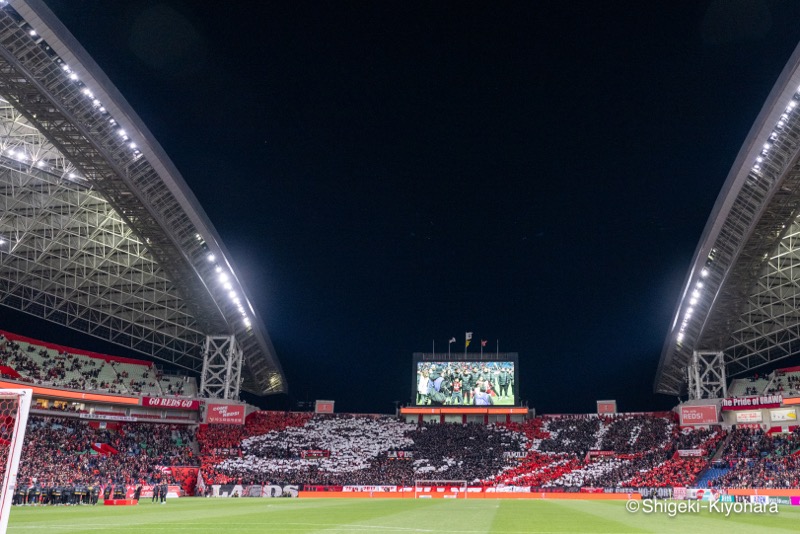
550	452
760	460
300	448
364	450
61	452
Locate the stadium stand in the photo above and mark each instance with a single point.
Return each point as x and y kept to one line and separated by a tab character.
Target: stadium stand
785	382
40	363
62	452
760	460
548	452
754	385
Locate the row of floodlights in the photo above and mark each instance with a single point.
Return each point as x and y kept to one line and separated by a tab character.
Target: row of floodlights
224	280
693	300
73	76
773	136
20	155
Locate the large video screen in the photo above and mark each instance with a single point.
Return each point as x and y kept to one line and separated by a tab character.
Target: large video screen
465	383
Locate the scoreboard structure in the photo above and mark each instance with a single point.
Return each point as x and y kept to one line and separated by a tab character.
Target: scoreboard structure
465	388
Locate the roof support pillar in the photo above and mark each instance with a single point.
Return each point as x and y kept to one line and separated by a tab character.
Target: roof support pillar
706	374
222	368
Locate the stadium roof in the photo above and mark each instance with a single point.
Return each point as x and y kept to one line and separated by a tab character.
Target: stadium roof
742	293
98	230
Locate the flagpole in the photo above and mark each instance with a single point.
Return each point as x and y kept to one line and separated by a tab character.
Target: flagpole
498	349
434	348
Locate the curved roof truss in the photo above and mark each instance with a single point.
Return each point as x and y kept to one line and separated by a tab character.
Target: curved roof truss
98	230
742	292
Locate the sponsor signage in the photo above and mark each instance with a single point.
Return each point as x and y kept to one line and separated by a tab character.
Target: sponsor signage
509	489
699	415
748	417
391	489
225	414
691	452
649	493
171	403
400	455
237	490
784	414
745	403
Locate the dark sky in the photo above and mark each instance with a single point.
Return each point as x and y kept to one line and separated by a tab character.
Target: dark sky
386	174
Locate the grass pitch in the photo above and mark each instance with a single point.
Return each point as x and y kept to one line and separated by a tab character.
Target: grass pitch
386	516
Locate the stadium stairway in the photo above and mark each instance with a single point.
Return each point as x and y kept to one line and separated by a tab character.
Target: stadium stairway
710	474
721	448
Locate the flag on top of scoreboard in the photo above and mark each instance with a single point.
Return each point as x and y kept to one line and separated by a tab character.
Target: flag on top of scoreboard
468	339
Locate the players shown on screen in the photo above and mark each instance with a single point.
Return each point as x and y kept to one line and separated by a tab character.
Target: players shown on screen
465	383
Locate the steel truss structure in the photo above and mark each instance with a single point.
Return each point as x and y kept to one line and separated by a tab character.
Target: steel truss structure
742	294
222	368
706	376
98	230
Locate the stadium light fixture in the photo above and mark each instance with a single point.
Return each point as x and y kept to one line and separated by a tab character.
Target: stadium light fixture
211	258
218	269
223	277
32	33
693	301
73	76
704	273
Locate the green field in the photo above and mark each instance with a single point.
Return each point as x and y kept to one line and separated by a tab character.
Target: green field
390	516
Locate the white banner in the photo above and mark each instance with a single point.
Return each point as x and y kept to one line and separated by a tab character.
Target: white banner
748	417
783	414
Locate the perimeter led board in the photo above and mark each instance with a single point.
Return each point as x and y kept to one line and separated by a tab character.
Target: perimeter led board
465	382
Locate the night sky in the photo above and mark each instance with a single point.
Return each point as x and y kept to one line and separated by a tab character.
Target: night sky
387	174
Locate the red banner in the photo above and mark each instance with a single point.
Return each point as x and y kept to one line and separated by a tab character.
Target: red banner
699	415
225	414
171	403
748	403
315	453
